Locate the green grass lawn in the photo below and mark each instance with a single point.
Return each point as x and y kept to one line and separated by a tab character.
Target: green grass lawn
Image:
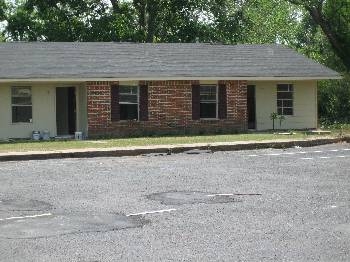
28	145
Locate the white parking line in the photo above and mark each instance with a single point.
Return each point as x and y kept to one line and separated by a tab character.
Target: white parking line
213	195
235	194
323	157
33	216
151	212
305	152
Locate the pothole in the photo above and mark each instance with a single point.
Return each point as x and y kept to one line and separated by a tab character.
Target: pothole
63	224
23	205
191	197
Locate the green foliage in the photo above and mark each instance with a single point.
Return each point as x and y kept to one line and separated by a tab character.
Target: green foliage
270	21
2	10
332	17
273	117
314	41
334	101
281	118
70	20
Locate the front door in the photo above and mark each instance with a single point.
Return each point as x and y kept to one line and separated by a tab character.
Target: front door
65	111
251	107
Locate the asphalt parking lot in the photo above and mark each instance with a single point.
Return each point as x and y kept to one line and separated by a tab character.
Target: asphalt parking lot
256	205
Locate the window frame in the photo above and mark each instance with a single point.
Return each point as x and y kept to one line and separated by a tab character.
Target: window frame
216	102
291	90
21	105
129	103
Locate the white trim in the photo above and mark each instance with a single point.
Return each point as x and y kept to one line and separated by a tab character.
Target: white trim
20	105
284	99
155	78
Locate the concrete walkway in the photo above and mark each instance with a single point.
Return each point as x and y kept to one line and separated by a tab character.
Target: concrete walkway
167	149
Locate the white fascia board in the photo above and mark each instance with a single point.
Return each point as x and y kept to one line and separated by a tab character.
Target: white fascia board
248	78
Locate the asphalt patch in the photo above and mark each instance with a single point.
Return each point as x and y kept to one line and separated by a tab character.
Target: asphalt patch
63	224
23	205
190	197
198	151
155	154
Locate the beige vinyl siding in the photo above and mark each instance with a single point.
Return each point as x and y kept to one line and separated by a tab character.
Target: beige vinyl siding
43	110
304	105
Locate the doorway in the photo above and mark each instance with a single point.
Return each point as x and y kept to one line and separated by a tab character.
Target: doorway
65	110
251	107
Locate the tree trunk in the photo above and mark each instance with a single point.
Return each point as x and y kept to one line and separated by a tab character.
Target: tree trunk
115	6
342	51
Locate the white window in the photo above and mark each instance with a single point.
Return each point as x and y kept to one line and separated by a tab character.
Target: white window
208	101
21	103
129	102
285	99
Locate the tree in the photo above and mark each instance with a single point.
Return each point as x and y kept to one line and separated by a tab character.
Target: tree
333	17
2	10
70	20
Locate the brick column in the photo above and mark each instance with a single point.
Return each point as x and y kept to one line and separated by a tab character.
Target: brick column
242	109
237	103
98	107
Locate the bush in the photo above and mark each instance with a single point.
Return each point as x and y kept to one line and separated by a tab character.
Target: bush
334	101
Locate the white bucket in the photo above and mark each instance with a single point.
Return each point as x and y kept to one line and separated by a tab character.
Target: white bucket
36	135
78	135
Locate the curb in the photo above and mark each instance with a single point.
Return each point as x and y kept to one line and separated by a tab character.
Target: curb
170	149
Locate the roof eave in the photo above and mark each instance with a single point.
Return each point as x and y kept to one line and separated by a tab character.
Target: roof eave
163	78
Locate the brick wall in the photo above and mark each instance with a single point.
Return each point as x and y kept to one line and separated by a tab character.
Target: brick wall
169	110
98	106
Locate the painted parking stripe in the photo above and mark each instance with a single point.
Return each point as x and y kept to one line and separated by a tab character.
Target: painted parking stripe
301	152
23	217
213	195
151	212
323	157
235	194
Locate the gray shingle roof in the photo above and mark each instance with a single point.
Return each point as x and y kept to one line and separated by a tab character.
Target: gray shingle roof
37	60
